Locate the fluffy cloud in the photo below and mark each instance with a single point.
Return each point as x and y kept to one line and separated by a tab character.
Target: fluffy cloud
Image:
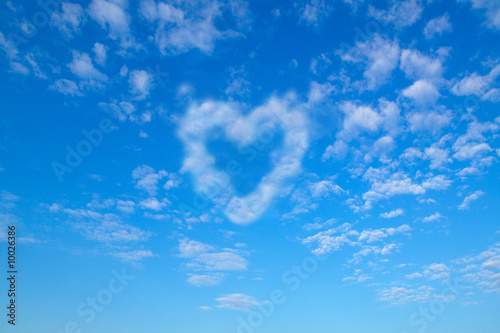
314	12
189	25
111	15
277	114
360	120
491	9
418	66
434	217
479	85
69	20
153	204
83	68
400	13
430	121
380	57
393	213
208	258
147	178
66	87
403	294
437	26
422	92
100	53
324	188
336	238
140	83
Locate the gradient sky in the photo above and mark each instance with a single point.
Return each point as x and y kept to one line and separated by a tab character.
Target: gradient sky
251	166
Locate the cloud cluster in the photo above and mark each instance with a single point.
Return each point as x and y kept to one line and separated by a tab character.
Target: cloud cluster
211	260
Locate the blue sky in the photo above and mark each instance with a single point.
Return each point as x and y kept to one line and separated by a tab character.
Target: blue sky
206	166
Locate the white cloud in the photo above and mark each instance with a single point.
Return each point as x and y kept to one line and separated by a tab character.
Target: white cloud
133	256
140	83
153	204
208	258
393	213
418	66
206	308
481	86
470	150
380	56
318	92
111	15
434	217
125	206
468	199
100	53
147	178
173	181
17	63
415	275
472	146
422	92
105	228
191	248
66	87
30	58
336	238
371	236
240	302
187	25
437	272
386	183
7	46
69	20
360	120
437	26
122	110
401	13
431	121
82	67
490	9
314	12
199	280
318	224
402	294
438	154
237	84
324	188
201	120
439	182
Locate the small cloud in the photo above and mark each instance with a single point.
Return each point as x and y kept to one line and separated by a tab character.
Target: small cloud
391	214
239	302
205	279
96	177
474	196
206	308
133	256
140	82
437	26
434	217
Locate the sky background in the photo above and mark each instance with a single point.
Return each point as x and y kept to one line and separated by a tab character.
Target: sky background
177	163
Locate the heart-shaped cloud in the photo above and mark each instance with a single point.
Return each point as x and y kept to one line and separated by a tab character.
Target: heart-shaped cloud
199	123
